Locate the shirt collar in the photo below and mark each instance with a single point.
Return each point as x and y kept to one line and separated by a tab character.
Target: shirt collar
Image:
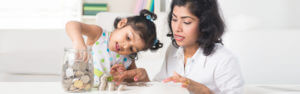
179	53
197	57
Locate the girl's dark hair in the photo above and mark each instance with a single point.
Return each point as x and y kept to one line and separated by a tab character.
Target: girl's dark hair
143	24
211	25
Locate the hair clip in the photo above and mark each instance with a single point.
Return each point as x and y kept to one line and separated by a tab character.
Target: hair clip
155	42
148	17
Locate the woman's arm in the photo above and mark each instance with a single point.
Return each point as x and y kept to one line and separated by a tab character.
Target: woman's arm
75	30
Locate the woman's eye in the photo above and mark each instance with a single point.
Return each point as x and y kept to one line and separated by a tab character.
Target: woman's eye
174	20
187	22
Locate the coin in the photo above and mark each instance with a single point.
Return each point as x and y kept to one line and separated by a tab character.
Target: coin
85	79
69	72
79	73
78	84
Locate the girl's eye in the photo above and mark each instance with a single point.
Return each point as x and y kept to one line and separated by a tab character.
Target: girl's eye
131	49
128	38
187	23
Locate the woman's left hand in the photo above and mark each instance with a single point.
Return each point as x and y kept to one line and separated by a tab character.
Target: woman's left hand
193	86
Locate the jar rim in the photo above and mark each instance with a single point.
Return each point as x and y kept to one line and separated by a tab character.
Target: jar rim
77	50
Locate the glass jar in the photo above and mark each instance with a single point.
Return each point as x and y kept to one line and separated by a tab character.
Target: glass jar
77	71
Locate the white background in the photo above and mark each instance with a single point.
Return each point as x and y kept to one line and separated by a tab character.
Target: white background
264	34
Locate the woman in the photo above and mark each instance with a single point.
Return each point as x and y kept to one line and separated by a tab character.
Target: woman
197	59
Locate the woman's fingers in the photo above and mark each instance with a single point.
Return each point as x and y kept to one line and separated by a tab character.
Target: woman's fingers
174	78
169	79
185	82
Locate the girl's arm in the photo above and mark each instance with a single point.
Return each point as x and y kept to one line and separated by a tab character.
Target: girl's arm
75	30
132	65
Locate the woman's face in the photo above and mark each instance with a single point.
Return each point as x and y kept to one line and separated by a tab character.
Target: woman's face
125	41
184	26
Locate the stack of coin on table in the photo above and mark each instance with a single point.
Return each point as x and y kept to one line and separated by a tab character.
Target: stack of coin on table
77	76
107	84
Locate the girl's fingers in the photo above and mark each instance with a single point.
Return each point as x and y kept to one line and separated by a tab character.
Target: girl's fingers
122	77
121	69
136	78
139	76
117	66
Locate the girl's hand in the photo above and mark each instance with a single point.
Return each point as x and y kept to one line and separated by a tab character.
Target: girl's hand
81	51
76	30
193	86
117	69
134	75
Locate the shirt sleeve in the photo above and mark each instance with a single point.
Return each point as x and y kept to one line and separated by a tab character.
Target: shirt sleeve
127	61
228	77
163	74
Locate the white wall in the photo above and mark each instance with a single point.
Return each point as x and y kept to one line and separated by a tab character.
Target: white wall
267	56
258	14
32	55
264	35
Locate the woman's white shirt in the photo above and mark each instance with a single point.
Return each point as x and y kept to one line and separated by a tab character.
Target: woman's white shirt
220	71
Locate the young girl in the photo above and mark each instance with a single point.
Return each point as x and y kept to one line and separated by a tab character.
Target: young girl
131	35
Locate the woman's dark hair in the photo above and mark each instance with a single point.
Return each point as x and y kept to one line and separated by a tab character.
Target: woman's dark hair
211	25
143	24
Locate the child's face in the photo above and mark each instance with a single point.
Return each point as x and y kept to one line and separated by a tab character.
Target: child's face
184	26
126	41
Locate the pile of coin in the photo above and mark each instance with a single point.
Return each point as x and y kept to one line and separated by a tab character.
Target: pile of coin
107	84
77	76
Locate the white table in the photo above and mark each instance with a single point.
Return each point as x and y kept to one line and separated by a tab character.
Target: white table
272	89
56	88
